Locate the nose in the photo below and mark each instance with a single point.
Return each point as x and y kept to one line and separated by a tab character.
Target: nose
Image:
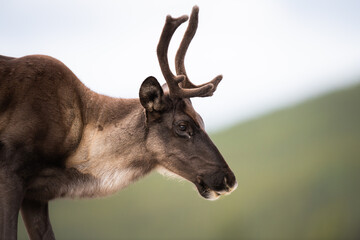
230	182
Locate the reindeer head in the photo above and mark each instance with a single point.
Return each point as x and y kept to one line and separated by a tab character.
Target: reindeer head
175	132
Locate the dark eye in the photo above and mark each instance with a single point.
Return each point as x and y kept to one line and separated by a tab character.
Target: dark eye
182	127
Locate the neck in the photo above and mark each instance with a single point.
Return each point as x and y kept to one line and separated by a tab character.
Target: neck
112	149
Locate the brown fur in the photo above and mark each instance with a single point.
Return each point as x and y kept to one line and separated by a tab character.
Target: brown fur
60	139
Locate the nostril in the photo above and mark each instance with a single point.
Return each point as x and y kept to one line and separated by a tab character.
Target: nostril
227	188
229	181
230	184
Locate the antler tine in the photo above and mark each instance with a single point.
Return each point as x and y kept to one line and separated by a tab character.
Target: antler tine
173	81
170	27
180	56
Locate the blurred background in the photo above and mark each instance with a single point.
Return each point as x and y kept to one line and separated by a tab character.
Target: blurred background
286	117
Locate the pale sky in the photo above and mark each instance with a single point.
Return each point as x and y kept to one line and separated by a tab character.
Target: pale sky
271	53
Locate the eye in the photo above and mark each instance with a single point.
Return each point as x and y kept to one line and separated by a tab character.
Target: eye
182	127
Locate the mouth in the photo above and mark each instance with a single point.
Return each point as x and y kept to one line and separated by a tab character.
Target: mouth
214	193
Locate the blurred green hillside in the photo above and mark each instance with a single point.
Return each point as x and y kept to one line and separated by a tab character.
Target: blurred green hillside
298	171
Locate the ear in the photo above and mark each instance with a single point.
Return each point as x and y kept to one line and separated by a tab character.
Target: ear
151	95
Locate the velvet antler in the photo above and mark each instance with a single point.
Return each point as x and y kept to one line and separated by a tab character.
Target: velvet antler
180	85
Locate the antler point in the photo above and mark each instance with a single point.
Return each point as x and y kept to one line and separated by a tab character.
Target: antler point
180	78
184	17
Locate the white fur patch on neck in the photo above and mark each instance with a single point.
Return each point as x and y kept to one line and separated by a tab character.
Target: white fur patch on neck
106	157
104	184
112	181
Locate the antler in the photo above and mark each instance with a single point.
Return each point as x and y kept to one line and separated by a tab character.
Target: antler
180	55
180	85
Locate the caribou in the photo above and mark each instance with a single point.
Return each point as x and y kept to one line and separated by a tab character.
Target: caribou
59	139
